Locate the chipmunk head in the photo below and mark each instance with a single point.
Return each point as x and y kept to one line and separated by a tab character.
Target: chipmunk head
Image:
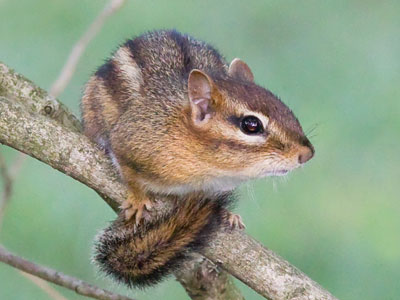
243	130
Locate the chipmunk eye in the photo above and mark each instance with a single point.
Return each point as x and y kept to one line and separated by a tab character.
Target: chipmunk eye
251	125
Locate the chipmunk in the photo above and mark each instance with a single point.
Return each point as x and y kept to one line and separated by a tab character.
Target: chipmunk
181	124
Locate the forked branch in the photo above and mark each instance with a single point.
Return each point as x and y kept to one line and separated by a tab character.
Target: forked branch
53	136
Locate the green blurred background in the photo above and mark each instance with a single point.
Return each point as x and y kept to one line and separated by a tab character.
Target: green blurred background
335	63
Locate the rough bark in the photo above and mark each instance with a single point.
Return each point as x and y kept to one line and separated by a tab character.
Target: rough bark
203	280
52	136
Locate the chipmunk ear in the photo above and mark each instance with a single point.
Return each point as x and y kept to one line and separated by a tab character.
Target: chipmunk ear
200	87
240	70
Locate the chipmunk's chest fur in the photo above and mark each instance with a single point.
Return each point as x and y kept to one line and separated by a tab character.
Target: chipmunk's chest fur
212	187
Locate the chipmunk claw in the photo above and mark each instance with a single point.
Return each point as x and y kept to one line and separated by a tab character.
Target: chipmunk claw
125	205
133	209
235	221
129	212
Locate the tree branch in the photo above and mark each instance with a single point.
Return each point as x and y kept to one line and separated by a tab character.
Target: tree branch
203	280
221	281
77	285
56	141
35	123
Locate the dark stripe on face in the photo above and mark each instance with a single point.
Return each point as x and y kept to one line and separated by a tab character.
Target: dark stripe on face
235	145
235	120
263	101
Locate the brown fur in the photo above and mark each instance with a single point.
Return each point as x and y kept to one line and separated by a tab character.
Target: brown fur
143	256
146	110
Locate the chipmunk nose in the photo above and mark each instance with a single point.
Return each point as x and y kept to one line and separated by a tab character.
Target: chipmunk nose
305	154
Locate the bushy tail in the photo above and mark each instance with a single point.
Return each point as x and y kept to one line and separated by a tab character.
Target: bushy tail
144	256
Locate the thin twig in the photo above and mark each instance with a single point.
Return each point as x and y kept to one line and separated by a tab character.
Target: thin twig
7	187
75	284
78	49
16	166
8	175
44	286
